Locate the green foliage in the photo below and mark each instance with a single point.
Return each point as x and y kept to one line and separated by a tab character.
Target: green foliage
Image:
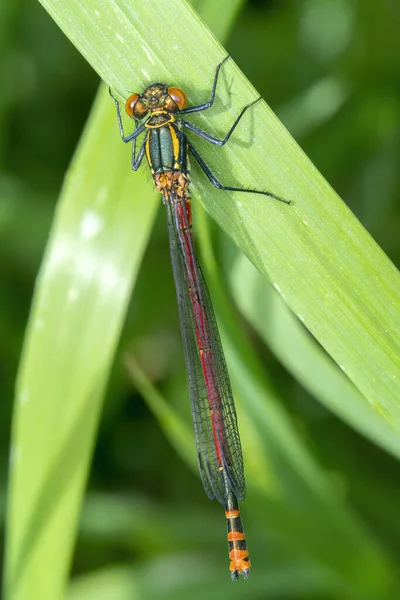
143	531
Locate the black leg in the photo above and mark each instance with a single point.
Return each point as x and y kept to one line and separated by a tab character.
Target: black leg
131	136
200	107
210	138
229	188
136	160
134	143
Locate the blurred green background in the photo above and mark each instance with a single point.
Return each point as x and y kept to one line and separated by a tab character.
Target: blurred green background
330	70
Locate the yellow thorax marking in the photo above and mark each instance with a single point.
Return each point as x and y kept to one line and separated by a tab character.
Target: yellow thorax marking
175	144
155	113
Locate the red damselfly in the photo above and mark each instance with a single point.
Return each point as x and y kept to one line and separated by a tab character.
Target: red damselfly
214	416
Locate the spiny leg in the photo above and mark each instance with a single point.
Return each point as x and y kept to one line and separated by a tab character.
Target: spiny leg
209	138
136	161
229	188
205	105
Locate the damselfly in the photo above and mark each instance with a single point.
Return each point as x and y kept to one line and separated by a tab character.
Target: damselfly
214	416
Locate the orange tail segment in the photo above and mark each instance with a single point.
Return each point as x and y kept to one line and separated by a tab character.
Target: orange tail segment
238	553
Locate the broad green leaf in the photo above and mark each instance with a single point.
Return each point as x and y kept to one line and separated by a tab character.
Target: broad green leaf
318	256
303	357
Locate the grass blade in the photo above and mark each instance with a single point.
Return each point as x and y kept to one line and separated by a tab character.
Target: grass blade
83	290
327	268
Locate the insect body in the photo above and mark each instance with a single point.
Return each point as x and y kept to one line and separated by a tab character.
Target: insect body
157	113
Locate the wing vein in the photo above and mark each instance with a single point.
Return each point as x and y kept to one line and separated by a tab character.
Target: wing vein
213	409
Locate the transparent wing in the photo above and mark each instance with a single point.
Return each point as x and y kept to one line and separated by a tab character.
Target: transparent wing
213	410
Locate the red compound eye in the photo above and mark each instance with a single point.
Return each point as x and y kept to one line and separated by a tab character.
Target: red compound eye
178	96
130	105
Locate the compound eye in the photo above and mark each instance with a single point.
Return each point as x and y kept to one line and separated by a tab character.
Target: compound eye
178	96
130	105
